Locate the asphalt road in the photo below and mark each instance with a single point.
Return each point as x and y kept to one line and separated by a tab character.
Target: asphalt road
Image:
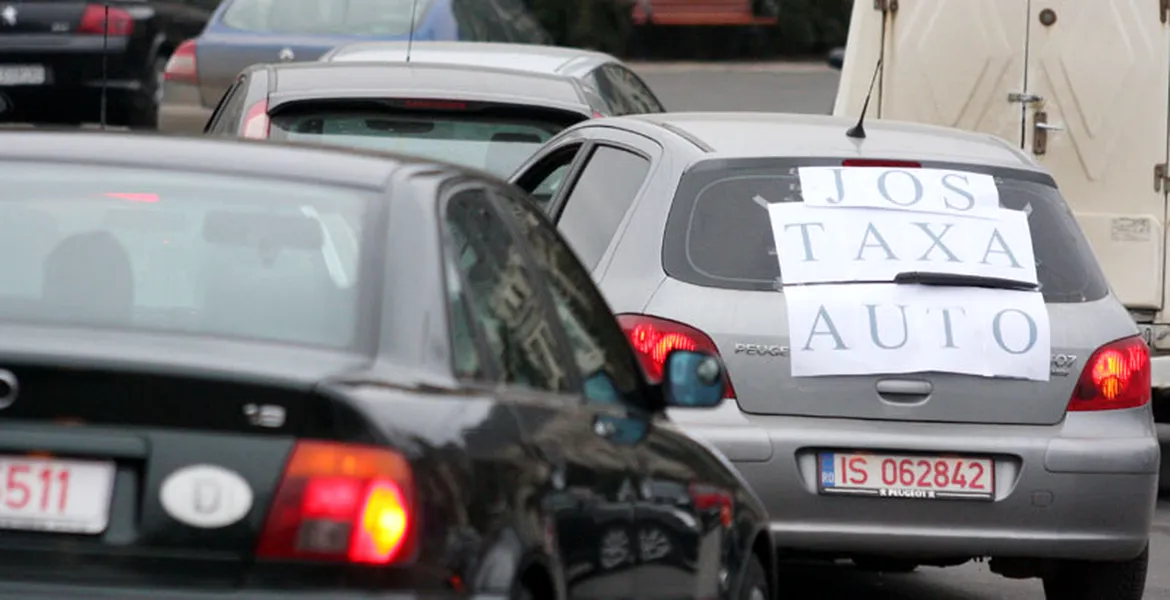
811	89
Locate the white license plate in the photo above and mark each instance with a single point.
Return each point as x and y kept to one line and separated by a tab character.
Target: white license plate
68	496
22	75
906	476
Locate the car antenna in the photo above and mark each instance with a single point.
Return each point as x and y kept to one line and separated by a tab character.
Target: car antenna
105	62
858	130
410	36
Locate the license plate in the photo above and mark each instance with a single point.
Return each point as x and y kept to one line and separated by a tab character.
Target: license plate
67	496
22	75
905	476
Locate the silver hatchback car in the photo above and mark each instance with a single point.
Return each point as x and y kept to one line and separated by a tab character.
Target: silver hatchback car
1045	461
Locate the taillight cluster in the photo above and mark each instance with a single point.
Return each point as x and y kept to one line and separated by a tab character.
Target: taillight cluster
256	122
181	66
98	19
706	497
653	338
342	503
1116	376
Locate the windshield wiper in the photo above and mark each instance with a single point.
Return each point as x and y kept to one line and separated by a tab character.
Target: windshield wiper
951	279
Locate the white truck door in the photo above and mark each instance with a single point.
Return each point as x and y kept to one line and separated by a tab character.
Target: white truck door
944	62
1099	86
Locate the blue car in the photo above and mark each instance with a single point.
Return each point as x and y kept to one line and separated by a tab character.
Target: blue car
245	32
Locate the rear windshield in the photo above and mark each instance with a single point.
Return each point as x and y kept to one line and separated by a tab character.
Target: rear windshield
495	144
180	252
326	17
719	235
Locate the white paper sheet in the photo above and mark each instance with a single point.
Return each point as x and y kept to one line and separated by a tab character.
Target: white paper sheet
942	191
857	329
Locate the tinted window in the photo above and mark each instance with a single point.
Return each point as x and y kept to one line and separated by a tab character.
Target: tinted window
465	352
503	299
345	17
227	120
497	144
718	233
634	96
601	352
180	252
599	200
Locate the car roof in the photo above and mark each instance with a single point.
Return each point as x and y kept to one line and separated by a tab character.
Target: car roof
419	80
335	166
760	135
529	58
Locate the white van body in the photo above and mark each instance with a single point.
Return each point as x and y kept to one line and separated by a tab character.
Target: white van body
1082	85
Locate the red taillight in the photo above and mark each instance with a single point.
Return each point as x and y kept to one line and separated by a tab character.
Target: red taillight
653	338
707	498
181	67
341	502
865	162
1116	376
256	123
598	115
435	104
94	21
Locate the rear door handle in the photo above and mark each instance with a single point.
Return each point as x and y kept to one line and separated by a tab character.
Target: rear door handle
904	387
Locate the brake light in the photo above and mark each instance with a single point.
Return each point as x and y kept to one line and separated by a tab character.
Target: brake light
181	66
256	123
435	104
653	338
707	498
598	115
865	162
133	197
1116	376
341	502
94	21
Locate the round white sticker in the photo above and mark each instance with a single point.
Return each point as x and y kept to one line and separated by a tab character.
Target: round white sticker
206	496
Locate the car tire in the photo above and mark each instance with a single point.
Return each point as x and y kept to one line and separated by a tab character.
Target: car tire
145	115
755	581
885	565
1090	580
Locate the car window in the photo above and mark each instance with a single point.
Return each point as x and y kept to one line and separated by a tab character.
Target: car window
544	179
466	358
204	254
599	200
634	93
495	143
606	365
718	233
595	84
346	17
504	299
227	118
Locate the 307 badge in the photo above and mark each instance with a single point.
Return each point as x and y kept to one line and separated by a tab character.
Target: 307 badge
1062	364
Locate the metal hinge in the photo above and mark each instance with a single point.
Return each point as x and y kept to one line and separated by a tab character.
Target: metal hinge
1161	178
1022	98
1164	10
891	6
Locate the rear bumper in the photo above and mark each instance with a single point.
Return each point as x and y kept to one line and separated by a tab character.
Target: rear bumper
1081	489
28	591
182	110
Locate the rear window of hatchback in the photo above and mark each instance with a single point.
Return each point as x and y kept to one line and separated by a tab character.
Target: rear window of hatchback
719	235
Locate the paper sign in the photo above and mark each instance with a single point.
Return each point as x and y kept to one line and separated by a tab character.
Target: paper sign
942	191
858	329
817	245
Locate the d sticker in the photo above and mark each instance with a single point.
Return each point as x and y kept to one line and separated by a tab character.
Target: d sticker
206	496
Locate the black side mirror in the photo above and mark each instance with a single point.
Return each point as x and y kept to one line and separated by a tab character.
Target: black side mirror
692	380
837	58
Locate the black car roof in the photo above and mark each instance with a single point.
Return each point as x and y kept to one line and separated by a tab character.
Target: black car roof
419	80
244	157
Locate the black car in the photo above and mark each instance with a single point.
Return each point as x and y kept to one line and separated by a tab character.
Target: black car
51	57
248	370
477	112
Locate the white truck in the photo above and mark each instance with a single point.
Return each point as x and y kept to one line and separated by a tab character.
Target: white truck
1082	85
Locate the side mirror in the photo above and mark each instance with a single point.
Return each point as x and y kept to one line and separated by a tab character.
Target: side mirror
837	58
692	380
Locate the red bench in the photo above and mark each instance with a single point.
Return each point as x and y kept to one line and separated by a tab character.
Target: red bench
699	12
